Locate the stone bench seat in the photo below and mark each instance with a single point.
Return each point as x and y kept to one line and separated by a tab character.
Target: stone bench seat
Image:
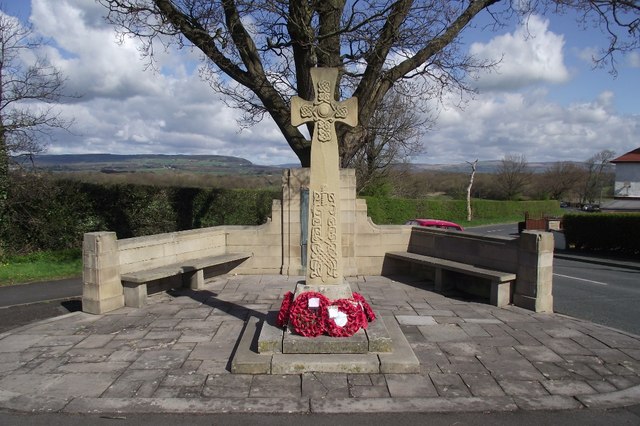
501	282
135	283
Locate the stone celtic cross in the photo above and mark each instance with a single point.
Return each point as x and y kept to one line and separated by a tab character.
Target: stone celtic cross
324	243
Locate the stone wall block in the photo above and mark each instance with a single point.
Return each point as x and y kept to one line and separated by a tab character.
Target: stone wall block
101	290
534	283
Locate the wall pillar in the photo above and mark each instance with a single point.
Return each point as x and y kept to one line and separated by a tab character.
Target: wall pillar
534	282
101	286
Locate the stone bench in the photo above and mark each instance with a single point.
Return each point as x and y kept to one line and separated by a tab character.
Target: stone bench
501	282
134	283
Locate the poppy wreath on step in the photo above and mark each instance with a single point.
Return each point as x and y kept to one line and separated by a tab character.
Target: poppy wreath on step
345	317
285	309
365	306
308	314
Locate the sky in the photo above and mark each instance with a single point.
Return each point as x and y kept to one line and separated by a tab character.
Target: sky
545	100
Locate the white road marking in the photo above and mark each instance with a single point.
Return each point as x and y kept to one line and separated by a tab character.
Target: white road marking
581	279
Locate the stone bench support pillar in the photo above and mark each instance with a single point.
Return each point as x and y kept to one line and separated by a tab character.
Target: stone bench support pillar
101	287
534	281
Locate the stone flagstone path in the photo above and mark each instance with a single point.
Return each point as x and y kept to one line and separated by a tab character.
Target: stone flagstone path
173	356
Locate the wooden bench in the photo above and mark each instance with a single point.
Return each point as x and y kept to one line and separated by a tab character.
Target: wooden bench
501	282
135	283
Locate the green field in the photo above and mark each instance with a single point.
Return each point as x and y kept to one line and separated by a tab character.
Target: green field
40	266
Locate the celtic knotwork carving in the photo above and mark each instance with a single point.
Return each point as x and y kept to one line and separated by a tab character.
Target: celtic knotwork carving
324	91
342	112
323	260
324	131
306	111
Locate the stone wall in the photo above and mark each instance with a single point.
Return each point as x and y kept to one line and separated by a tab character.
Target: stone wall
276	248
530	257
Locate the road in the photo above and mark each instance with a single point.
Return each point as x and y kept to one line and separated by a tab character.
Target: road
604	294
26	303
38	292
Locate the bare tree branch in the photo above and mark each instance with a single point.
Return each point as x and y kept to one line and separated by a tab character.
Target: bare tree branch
258	53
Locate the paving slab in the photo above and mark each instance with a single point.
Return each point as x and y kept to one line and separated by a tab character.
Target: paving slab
187	405
322	385
405	405
551	402
410	385
415	320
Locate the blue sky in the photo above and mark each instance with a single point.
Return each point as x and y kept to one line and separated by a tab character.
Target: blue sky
546	101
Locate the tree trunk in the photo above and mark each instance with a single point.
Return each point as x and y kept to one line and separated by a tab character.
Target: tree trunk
4	183
471	176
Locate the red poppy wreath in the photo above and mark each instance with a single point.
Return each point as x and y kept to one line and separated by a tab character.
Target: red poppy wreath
308	314
285	309
371	316
345	317
312	314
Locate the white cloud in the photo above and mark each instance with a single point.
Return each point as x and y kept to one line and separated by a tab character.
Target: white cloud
531	54
87	53
528	123
126	110
633	59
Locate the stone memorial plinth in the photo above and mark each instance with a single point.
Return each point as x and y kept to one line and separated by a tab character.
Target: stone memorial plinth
364	347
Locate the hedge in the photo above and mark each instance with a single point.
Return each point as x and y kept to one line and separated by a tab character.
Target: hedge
611	232
385	211
47	214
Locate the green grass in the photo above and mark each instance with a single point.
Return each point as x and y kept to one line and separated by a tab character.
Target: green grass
40	266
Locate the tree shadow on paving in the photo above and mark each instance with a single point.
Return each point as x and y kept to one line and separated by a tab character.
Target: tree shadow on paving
427	284
20	315
210	299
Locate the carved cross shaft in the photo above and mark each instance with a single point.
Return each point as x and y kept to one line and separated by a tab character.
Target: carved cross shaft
324	243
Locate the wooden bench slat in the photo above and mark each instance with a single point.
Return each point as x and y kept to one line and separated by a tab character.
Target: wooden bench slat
182	267
499	276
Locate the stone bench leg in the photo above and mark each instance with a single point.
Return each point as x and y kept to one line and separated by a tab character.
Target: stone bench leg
442	282
135	294
193	279
500	293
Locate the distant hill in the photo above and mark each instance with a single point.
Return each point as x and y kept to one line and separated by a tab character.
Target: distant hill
113	163
217	164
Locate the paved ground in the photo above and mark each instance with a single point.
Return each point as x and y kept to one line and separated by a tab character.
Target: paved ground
173	356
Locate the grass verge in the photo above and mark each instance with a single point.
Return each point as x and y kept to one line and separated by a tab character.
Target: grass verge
40	266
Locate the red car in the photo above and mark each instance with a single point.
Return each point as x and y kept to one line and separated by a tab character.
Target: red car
435	223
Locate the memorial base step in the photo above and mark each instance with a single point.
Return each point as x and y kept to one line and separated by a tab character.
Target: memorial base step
260	350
